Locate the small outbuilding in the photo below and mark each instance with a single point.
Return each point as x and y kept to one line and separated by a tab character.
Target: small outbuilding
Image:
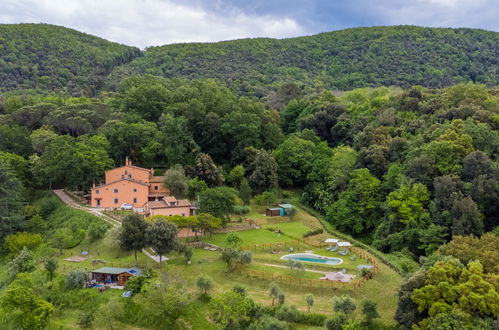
112	275
344	244
274	212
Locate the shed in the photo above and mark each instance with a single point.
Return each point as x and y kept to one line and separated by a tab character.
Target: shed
344	244
115	275
274	212
286	206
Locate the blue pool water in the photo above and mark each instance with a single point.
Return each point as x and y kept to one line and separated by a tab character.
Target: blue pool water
309	257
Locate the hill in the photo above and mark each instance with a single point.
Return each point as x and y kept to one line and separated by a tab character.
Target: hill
52	57
347	59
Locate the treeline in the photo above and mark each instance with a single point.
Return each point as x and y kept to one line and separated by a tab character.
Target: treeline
51	58
54	58
376	56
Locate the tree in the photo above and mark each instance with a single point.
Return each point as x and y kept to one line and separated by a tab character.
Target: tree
408	202
281	297
187	250
164	299
207	222
41	138
76	279
204	284
230	256
177	140
35	312
469	248
195	187
344	304
207	171
466	218
132	235
161	235
97	230
264	172
218	202
51	266
11	195
232	310
274	292
449	286
22	263
235	176
176	181
309	298
111	310
233	240
16	242
245	191
370	312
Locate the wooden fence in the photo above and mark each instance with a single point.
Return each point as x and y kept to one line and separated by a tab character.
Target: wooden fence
300	245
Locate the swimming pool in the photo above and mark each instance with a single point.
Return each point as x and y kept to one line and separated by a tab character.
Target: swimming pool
309	257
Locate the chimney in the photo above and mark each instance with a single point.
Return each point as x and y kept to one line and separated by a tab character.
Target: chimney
152	171
126	161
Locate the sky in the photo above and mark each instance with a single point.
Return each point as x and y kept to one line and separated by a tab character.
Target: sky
145	23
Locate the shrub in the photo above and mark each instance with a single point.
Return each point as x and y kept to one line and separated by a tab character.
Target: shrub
85	319
136	283
287	313
239	288
335	322
344	303
313	232
15	243
97	230
311	319
241	209
268	323
76	279
266	198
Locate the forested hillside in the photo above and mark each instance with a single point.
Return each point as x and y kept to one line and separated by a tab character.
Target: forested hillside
376	56
52	58
56	58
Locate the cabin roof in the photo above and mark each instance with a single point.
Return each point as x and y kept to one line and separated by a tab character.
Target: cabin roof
115	271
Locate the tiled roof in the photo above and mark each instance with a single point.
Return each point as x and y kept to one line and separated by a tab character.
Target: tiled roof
124	179
157	179
164	205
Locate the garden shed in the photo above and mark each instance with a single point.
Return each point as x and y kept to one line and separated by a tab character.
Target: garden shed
274	212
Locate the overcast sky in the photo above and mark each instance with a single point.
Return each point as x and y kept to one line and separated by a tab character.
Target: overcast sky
145	23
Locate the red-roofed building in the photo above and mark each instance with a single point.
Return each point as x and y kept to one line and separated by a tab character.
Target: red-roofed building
168	206
128	184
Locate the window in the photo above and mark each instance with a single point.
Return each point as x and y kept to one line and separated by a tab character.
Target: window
115	191
183	214
134	189
116	201
97	191
155	187
135	200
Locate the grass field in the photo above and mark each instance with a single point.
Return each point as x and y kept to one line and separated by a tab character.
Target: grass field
381	289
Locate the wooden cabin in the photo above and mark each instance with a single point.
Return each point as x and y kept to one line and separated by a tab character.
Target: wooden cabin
116	276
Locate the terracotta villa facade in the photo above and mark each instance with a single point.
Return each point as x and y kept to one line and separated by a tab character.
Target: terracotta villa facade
139	187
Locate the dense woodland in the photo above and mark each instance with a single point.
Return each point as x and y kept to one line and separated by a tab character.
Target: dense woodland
413	172
49	58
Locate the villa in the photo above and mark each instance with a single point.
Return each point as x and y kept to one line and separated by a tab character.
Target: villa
140	188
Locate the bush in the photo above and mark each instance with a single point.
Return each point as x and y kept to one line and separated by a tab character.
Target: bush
241	209
136	283
97	230
266	198
268	323
85	319
313	232
311	318
335	322
48	205
15	243
287	313
76	279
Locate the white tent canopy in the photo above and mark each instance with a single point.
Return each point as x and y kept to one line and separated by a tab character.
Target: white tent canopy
344	244
331	240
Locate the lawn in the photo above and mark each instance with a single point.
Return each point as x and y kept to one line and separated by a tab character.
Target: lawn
382	289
